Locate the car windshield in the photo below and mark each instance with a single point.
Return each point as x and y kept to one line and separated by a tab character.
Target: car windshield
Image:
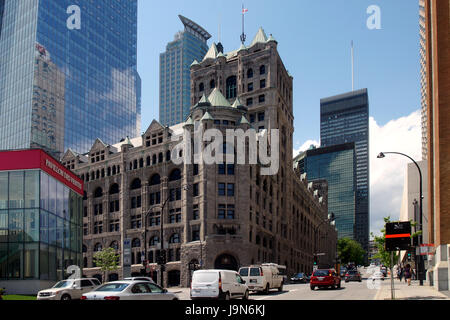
321	273
243	272
299	275
63	284
117	287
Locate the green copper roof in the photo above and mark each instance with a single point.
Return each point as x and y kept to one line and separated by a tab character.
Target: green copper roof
217	99
237	103
194	63
204	99
259	38
271	38
212	52
242	47
244	120
189	122
207	116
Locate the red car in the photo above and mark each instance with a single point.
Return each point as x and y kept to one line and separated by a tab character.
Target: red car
323	278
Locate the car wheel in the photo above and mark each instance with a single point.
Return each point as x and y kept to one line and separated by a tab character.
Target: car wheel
312	288
339	285
280	288
66	297
266	291
245	297
175	299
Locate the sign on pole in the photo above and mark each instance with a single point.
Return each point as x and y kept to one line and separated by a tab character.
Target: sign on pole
398	236
126	258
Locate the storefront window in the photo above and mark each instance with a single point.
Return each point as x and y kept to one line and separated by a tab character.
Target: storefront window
3	190
52	229
16	190
52	195
43	229
44	191
3	261
31	189
32	225
31	261
15	257
43	262
15	225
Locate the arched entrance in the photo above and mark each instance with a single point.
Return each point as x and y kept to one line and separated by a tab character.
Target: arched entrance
173	278
226	262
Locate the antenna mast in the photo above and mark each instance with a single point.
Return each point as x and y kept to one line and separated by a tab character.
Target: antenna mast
353	70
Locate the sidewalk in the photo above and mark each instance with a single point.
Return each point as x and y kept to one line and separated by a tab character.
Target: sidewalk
413	292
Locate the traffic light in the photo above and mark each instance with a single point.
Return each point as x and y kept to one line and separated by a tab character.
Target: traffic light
409	256
315	260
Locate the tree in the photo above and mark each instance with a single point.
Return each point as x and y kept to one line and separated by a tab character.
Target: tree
350	251
383	255
107	260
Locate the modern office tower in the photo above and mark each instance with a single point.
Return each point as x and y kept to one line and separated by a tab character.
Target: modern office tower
62	86
345	118
437	16
174	71
336	165
424	29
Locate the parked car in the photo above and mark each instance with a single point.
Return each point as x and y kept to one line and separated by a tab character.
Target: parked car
129	290
218	284
69	289
300	278
262	277
343	271
353	275
322	278
140	278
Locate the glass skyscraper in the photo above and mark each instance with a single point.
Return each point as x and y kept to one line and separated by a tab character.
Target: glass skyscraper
345	118
336	164
174	72
68	73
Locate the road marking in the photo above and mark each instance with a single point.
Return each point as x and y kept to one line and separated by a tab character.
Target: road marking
268	297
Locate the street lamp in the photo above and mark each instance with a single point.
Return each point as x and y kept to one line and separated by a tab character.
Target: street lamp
421	264
331	218
162	263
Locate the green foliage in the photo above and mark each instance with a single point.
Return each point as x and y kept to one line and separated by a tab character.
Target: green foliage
383	255
107	260
350	251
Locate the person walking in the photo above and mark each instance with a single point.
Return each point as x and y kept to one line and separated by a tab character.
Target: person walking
408	274
400	273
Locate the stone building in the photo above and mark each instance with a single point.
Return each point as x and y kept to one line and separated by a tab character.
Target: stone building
217	215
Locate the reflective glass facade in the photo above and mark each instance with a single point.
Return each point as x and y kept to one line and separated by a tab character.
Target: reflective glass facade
40	226
175	75
336	165
345	118
62	88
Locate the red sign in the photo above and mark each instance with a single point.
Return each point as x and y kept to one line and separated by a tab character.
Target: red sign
38	159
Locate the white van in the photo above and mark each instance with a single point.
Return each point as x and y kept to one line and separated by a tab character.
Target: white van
262	277
218	284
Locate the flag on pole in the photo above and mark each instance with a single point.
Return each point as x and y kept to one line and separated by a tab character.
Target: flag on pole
244	10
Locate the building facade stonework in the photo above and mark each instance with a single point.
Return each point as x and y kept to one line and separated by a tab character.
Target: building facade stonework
217	215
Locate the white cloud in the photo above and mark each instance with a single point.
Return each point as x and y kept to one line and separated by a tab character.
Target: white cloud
306	146
387	175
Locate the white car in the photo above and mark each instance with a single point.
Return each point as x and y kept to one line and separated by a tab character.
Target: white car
218	284
378	275
129	290
69	289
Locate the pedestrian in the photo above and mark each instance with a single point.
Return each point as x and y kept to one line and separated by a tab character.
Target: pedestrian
400	273
408	274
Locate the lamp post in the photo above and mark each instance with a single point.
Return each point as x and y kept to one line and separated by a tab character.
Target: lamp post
330	218
420	266
161	232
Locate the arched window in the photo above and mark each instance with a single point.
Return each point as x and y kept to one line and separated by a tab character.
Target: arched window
174	238
108	172
84	249
262	69
154	159
136	243
85	262
155	180
212	84
153	241
250	73
98	193
114	189
168	155
114	170
258	240
98	247
175	175
136	184
231	87
201	87
114	245
148	161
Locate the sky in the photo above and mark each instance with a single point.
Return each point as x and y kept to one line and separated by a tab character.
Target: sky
314	40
